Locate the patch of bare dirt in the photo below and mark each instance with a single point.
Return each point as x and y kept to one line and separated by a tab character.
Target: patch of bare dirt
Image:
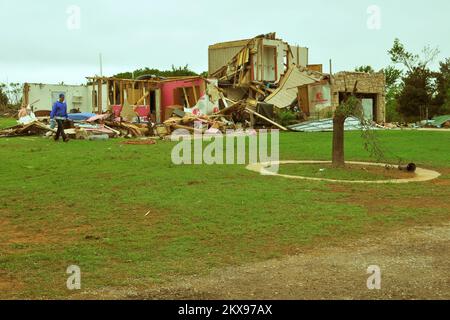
7	282
378	201
11	234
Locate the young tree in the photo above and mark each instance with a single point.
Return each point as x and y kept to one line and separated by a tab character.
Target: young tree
350	105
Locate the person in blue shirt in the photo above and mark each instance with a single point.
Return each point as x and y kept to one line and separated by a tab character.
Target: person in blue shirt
59	113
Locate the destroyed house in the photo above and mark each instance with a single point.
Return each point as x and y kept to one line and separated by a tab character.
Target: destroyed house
42	96
149	95
154	96
273	76
263	58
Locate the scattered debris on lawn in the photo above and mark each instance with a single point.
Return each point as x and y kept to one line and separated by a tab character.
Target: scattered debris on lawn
351	124
140	142
33	128
440	122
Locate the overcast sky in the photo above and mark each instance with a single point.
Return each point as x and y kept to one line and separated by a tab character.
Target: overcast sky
41	41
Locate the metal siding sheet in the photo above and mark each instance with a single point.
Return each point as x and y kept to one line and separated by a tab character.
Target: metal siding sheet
287	92
303	52
351	124
221	57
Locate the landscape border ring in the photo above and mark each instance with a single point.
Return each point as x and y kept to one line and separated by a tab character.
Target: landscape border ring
421	175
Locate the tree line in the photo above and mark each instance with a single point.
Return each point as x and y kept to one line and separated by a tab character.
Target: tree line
173	72
10	94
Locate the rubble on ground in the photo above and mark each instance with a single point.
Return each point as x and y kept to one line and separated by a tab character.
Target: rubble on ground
326	125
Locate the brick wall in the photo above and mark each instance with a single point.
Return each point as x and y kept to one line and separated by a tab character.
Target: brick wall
368	83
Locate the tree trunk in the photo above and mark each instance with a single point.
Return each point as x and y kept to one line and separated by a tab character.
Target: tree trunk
338	141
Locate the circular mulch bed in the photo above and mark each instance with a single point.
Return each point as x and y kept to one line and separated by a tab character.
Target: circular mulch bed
364	172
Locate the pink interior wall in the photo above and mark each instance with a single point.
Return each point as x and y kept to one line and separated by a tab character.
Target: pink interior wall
167	89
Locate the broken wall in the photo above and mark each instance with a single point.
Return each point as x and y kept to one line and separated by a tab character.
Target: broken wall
77	96
369	85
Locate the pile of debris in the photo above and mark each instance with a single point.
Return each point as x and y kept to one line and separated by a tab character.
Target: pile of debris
438	122
442	122
326	125
33	128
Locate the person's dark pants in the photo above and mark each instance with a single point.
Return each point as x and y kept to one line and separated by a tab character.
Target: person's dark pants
60	131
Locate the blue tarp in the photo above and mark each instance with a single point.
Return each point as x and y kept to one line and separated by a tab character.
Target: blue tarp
80	116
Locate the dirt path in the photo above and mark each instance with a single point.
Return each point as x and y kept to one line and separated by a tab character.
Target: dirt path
415	264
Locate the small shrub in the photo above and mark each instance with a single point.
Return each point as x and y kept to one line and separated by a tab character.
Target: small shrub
285	118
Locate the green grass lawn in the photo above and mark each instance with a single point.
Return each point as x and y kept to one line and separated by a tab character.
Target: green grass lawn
84	203
7	122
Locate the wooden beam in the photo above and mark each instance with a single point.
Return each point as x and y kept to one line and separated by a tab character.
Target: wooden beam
108	95
186	98
195	94
94	99
122	93
143	98
133	97
100	97
115	93
266	119
144	85
256	89
26	96
158	105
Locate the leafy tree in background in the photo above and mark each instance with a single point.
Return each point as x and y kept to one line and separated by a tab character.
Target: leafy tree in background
10	94
399	55
3	97
415	98
174	72
393	89
393	76
366	69
442	98
14	93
